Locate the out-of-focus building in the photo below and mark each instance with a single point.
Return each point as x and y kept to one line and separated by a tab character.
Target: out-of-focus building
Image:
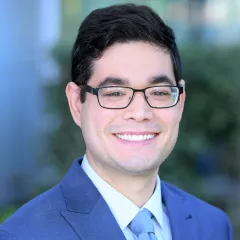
29	29
211	21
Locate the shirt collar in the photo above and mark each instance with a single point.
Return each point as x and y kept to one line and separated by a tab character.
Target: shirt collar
154	204
114	199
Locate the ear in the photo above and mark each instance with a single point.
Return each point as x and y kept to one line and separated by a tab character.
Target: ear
73	96
182	97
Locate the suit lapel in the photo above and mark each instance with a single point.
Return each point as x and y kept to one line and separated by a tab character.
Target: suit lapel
90	217
87	212
183	223
98	224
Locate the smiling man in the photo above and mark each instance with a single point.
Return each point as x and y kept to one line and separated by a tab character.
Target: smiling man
127	96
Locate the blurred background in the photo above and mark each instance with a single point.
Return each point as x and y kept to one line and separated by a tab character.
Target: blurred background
38	138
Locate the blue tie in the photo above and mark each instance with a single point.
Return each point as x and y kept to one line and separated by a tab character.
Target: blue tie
142	226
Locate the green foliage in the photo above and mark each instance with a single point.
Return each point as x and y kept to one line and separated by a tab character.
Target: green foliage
208	127
65	142
7	212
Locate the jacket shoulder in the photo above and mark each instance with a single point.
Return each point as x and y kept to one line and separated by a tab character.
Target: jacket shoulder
36	215
206	214
6	236
199	206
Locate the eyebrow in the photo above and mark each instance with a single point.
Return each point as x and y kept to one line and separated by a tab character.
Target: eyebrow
113	81
116	81
161	79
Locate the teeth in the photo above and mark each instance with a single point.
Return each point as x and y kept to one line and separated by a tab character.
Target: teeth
132	138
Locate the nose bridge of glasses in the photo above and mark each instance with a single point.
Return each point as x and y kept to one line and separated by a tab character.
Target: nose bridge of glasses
135	95
138	108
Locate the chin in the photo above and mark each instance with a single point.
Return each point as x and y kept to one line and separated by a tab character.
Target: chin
138	164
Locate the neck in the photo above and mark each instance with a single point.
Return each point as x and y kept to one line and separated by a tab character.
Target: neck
136	187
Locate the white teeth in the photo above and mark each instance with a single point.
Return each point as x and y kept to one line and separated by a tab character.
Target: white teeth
132	138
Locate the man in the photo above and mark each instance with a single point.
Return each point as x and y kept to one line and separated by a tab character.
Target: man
127	96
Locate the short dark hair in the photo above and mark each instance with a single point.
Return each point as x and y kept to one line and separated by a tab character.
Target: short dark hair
119	24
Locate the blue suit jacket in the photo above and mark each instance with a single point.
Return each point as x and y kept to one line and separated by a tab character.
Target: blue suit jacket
74	209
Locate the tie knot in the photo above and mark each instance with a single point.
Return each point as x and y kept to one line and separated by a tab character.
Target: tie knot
142	223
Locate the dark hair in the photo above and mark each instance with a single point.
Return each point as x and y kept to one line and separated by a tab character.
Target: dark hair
119	24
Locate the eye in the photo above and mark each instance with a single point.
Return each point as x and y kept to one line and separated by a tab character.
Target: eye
114	94
161	93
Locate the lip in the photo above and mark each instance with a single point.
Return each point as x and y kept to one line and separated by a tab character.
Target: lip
143	142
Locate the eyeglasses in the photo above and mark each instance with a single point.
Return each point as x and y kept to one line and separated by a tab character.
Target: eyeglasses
114	97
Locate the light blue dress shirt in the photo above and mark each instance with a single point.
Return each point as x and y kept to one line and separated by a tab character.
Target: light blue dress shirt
125	210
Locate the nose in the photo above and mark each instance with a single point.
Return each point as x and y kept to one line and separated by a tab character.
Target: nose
138	110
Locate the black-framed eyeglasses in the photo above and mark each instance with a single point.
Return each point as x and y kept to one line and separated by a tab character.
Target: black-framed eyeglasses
115	97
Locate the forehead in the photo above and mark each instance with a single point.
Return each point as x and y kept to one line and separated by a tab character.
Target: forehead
135	61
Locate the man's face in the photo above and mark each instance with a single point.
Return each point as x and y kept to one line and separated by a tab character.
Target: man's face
136	63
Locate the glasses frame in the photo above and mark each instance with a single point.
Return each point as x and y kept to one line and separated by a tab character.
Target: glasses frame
95	91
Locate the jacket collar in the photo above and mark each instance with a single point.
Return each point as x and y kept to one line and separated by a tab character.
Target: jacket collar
86	211
89	215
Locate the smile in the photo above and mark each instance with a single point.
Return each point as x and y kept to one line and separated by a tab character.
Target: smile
136	137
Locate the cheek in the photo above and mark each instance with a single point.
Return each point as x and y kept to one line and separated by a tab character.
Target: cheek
170	118
96	119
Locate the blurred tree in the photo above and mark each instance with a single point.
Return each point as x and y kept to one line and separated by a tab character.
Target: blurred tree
65	141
